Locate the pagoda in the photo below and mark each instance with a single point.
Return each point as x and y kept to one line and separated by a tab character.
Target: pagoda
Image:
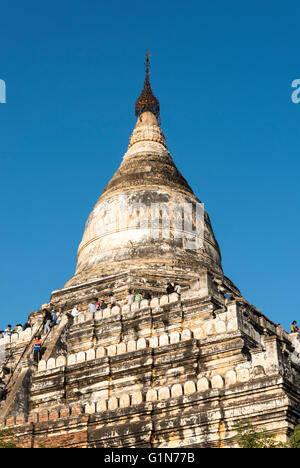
170	370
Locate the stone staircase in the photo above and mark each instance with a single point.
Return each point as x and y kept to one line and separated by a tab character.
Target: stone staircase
18	383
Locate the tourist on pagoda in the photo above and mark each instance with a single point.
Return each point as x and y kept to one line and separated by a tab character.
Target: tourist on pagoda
75	312
27	325
47	320
37	349
92	307
138	297
18	328
53	318
170	288
129	298
2	389
103	304
294	328
58	317
148	295
8	331
113	300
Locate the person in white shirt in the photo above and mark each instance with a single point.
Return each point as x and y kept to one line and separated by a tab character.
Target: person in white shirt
113	300
178	289
92	307
75	312
8	331
59	317
129	298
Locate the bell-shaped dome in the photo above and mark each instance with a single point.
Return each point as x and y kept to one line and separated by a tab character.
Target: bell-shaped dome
147	216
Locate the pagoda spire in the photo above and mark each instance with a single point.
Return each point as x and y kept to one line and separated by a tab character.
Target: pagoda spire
147	100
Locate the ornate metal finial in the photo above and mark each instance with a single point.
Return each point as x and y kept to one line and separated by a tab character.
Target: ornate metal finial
147	101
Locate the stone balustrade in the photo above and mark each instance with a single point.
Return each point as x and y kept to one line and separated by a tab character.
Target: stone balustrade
209	328
21	337
124	309
118	349
216	382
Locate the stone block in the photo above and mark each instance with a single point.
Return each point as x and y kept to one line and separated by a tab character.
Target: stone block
164	393
64	412
33	418
220	326
124	401
121	348
112	350
135	306
189	388
126	308
217	382
25	335
176	391
259	371
163	340
154	302
203	384
136	398
173	297
144	304
51	364
61	361
164	300
76	410
53	415
209	328
43	416
153	342
232	311
243	375
113	403
100	352
116	310
141	343
99	315
106	313
230	378
81	318
20	419
81	357
11	421
186	335
90	354
101	406
232	325
174	337
131	346
89	316
151	395
42	366
198	334
71	359
90	408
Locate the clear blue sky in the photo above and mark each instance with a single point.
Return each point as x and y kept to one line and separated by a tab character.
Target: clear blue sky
223	74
